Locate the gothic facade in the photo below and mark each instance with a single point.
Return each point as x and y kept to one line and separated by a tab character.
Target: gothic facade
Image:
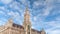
12	28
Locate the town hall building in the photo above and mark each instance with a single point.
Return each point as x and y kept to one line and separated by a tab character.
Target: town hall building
12	28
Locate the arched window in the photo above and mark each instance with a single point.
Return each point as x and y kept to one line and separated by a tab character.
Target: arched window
28	32
28	29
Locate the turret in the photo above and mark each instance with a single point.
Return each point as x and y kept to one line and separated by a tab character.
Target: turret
42	31
9	23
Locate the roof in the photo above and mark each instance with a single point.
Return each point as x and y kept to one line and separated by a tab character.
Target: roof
20	26
36	30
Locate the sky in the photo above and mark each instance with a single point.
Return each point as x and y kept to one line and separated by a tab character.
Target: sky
43	13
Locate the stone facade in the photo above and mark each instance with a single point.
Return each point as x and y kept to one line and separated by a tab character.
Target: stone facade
12	28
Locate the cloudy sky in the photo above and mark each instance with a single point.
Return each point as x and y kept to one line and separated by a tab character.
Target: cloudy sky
44	13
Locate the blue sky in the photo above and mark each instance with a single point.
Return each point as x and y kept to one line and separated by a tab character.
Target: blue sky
44	13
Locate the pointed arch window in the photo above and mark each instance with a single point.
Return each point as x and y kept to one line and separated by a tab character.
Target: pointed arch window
29	27
28	32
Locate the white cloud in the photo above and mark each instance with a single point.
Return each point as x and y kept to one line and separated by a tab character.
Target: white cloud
6	1
23	1
2	22
48	8
51	31
14	14
55	25
35	18
58	18
11	13
2	8
36	3
14	5
2	13
46	11
49	2
52	27
58	0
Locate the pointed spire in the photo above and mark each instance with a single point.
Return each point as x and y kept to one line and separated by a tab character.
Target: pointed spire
27	11
26	15
10	20
43	31
9	23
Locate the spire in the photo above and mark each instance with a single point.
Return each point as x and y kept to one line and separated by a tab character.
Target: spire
9	23
43	31
26	15
10	20
26	10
